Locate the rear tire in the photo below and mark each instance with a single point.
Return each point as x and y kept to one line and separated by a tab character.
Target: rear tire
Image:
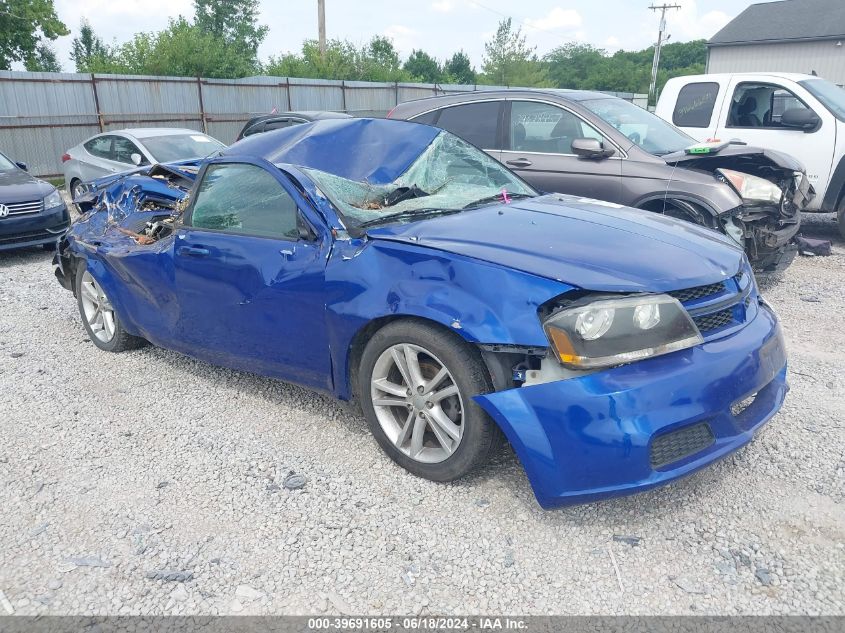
98	315
416	383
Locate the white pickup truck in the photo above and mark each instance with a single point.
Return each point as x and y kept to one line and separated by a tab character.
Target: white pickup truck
801	115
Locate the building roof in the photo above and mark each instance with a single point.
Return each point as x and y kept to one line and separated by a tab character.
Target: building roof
784	21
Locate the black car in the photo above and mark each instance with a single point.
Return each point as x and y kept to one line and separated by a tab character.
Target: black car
278	120
32	211
597	146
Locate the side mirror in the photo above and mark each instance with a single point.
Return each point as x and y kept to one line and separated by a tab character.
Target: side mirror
801	119
136	158
591	148
23	166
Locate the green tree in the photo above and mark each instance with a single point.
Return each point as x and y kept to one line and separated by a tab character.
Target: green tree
23	26
375	61
182	49
509	61
423	67
87	49
233	21
574	65
459	69
44	59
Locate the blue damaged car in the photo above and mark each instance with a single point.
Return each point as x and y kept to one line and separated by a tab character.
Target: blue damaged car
393	264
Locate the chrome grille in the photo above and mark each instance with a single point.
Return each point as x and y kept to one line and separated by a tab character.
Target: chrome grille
22	208
690	294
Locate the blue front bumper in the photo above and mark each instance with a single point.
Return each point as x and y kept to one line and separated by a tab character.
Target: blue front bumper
593	437
46	227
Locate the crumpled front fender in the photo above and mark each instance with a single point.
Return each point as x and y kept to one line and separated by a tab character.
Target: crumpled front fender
588	438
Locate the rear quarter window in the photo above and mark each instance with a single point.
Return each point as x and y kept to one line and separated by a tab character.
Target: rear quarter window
473	122
694	106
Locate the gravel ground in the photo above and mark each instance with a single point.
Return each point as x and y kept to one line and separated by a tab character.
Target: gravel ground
149	483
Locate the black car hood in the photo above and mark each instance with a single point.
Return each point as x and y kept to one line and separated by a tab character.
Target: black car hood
734	155
17	185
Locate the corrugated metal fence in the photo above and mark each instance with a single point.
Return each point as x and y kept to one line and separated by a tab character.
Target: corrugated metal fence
44	114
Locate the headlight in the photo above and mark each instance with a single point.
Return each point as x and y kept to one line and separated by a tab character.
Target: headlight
613	331
53	200
752	188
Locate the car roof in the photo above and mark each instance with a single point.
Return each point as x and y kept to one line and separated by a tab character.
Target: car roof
145	132
750	75
570	95
310	115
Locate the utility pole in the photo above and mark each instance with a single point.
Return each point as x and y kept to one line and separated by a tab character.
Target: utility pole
652	88
321	20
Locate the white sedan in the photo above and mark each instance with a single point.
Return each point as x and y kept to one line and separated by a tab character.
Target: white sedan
122	150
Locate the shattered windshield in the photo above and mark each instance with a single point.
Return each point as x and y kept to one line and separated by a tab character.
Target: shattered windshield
643	128
449	176
176	147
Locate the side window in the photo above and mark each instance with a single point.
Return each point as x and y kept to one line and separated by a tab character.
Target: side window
278	124
545	128
123	149
694	106
761	105
473	122
100	147
427	118
246	200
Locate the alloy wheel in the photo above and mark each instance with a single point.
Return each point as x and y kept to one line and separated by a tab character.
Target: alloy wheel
417	403
97	308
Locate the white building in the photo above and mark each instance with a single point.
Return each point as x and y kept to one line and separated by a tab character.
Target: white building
801	36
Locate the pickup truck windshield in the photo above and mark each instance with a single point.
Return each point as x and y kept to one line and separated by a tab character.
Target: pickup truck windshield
831	95
645	129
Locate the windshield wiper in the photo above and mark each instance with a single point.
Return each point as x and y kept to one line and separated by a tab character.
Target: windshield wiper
410	213
497	198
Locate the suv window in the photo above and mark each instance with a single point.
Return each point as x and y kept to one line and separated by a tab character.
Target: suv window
100	147
123	149
761	105
546	128
473	122
694	106
246	200
427	118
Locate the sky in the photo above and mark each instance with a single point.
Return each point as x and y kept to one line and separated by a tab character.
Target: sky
439	27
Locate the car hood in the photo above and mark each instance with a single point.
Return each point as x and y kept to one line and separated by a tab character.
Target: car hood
586	243
18	186
734	156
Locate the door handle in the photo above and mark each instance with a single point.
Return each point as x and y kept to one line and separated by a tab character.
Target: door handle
193	251
519	162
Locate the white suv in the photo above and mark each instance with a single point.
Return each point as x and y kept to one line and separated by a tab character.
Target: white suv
801	115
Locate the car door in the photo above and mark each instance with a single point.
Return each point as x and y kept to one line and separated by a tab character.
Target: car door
122	151
98	162
538	139
249	275
753	115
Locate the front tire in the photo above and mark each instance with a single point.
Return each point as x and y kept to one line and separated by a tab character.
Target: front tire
98	315
416	383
